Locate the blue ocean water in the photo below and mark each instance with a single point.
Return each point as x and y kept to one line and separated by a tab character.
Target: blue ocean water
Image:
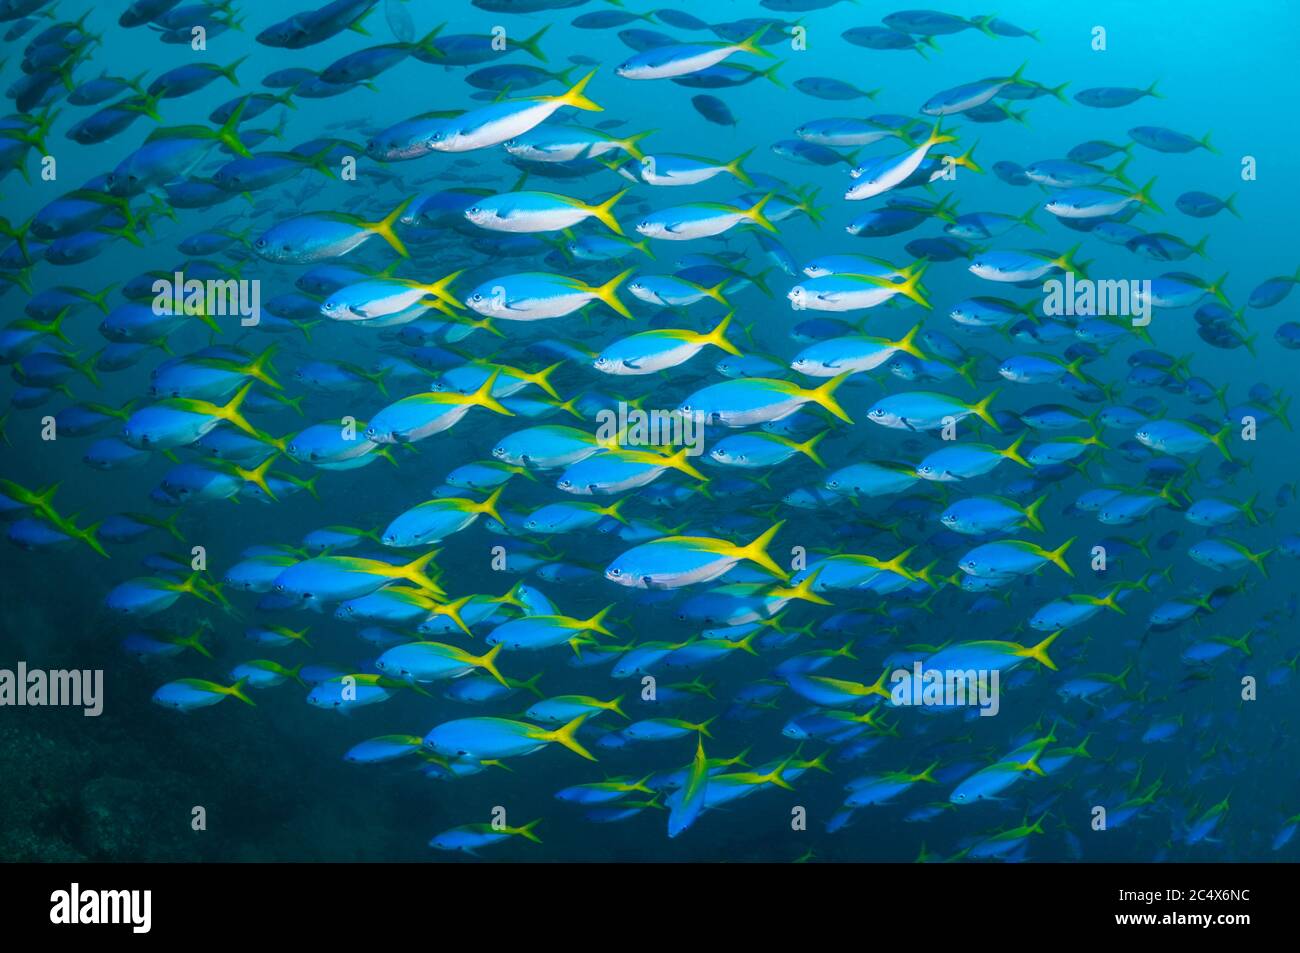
1176	726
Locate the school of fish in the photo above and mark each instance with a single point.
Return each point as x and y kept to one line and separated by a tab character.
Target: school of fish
889	472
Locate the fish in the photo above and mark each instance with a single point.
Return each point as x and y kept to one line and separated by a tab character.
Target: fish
620	386
674	60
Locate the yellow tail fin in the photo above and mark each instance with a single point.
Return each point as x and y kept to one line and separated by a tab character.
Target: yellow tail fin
483	396
756	552
678	462
608	292
487	662
809	448
237	690
439	288
1031	513
735	168
489	506
755	213
452	610
1039	652
750	43
981	410
716	293
896	565
567	735
257	476
603	212
527	831
597	622
911	288
542	379
384	228
1013	452
575	98
414	572
803	591
937	138
717	337
926	773
1057	556
630	144
230	410
907	343
823	396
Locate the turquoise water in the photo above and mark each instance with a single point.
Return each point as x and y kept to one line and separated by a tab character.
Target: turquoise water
1165	745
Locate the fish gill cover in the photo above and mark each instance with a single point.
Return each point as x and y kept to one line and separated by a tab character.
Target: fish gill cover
782	419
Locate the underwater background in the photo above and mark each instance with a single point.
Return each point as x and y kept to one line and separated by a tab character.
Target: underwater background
1165	746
